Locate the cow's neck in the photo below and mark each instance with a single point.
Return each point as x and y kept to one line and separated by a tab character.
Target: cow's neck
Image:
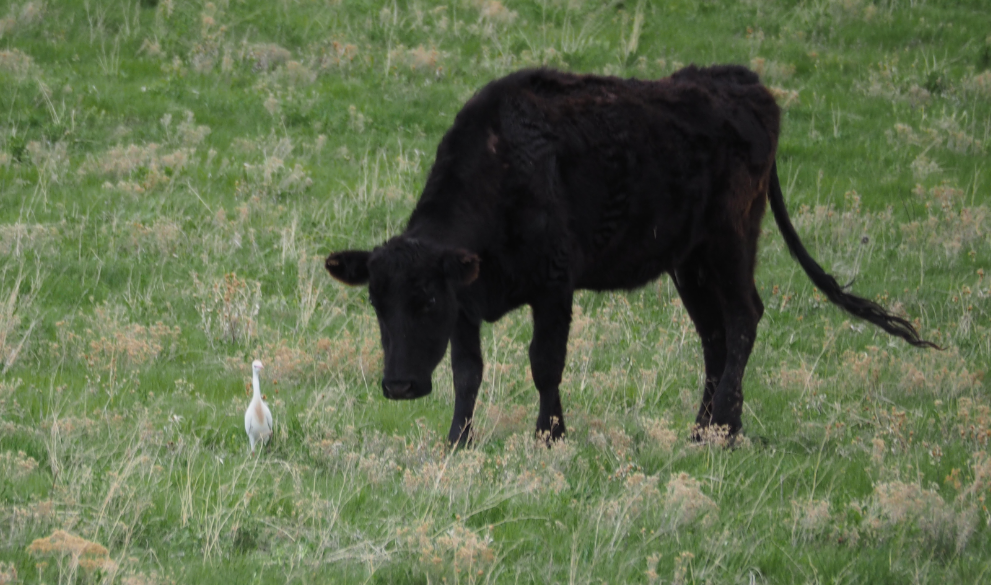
457	226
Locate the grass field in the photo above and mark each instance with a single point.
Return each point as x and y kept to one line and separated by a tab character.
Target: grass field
173	173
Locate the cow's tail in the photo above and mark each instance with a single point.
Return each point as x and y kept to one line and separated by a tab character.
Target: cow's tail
856	306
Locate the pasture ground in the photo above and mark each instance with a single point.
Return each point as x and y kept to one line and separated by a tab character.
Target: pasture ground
172	174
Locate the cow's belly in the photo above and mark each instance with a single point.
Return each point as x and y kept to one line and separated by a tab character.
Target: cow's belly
633	261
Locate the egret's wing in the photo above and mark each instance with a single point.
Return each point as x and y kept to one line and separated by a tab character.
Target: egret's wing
268	417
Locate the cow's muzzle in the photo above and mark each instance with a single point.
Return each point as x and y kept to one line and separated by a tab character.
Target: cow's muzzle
405	389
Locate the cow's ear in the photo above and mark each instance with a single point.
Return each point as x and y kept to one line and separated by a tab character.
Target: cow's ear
461	266
349	267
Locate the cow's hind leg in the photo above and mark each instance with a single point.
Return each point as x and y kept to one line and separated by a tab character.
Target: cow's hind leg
466	363
551	322
742	311
731	259
696	288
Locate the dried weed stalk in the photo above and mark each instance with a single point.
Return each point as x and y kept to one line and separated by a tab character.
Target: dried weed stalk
228	308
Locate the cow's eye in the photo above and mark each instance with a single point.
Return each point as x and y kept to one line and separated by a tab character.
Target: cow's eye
429	304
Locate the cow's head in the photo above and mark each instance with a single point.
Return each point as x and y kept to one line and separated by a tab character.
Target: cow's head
413	287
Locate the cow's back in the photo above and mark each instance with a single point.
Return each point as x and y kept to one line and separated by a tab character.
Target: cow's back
600	181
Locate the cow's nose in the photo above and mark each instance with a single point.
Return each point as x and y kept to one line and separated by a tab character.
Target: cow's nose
395	389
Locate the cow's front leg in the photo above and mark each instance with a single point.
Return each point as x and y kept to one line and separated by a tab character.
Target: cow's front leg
466	362
551	322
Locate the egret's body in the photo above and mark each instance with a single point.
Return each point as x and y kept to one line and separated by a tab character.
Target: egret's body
258	418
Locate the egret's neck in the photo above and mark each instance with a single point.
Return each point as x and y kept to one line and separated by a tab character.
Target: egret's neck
255	386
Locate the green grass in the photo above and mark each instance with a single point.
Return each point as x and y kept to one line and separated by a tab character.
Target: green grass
151	151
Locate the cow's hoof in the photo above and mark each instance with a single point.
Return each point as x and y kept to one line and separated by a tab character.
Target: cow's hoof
548	438
718	435
462	440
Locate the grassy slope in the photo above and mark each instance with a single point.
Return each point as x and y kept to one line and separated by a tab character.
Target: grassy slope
312	128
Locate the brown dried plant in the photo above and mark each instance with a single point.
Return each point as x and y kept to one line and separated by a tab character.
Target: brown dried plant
17	465
810	519
10	323
944	374
684	501
638	496
267	56
334	55
17	239
456	551
359	354
138	169
16	63
949	225
921	513
973	421
309	286
659	433
682	568
83	553
113	343
13	306
8	571
228	307
772	71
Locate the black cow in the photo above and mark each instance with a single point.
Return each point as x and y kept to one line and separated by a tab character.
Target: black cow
550	182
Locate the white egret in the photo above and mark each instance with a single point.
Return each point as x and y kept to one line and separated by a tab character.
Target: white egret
258	418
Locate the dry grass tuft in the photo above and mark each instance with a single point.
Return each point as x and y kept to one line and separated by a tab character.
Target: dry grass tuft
334	55
498	421
949	225
17	465
16	63
17	239
10	323
8	571
786	98
772	72
456	551
418	60
138	168
453	475
273	177
51	160
88	555
113	343
268	56
973	421
284	363
495	12
684	502
809	519
682	568
920	513
13	305
942	374
164	236
662	437
228	308
978	84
